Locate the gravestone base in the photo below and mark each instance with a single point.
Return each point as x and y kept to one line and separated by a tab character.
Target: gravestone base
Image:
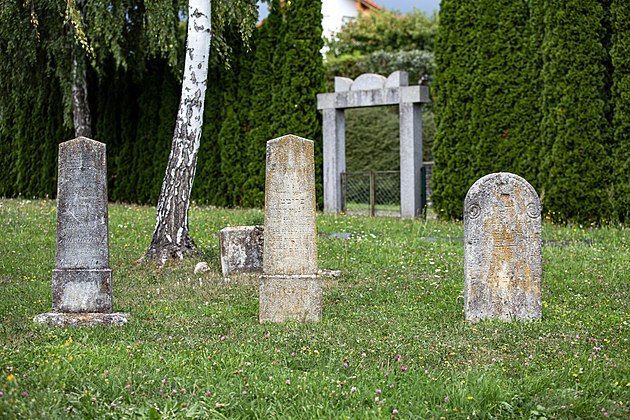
82	290
241	249
290	298
60	319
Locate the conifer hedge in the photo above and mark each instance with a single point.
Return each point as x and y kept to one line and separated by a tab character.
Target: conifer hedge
525	87
455	59
574	163
620	54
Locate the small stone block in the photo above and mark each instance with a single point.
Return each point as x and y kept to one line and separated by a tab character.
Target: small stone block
410	94
57	319
290	298
82	290
241	249
368	81
326	100
502	250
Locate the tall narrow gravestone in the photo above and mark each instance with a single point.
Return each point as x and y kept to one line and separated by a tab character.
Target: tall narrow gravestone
502	250
82	279
289	286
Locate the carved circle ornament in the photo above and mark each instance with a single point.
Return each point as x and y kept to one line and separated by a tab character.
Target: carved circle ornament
474	211
533	210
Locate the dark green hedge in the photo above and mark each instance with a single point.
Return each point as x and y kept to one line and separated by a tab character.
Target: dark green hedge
455	59
538	88
620	54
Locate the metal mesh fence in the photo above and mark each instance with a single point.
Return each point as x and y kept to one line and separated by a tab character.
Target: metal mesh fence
372	192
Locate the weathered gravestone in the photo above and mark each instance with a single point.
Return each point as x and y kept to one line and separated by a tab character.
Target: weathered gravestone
502	250
82	279
289	286
241	249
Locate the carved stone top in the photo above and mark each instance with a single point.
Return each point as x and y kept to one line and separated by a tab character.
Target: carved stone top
371	81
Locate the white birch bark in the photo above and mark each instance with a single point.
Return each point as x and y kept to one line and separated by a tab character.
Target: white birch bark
171	238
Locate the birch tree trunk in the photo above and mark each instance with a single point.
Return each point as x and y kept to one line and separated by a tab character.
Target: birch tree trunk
80	107
81	116
171	238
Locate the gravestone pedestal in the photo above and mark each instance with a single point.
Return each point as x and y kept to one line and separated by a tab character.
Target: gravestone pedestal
502	250
297	298
82	279
289	286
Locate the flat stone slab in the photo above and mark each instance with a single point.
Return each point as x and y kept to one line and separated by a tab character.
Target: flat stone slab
60	319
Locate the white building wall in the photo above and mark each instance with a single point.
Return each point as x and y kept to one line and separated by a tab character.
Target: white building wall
336	13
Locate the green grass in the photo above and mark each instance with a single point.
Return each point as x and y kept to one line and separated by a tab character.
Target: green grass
393	335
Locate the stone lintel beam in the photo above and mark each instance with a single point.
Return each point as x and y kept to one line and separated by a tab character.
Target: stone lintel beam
376	97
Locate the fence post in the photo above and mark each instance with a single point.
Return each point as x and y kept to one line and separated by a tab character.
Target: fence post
423	191
343	192
372	193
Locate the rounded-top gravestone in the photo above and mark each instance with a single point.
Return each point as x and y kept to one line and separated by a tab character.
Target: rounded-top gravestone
502	250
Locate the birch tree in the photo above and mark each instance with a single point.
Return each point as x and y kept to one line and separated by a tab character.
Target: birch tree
171	237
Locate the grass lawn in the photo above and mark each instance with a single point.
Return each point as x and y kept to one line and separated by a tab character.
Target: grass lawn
392	343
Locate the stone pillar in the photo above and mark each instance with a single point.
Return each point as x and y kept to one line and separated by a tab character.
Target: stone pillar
289	286
502	250
411	204
82	279
334	131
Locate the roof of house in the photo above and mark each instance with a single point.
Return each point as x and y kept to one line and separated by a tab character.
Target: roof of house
370	4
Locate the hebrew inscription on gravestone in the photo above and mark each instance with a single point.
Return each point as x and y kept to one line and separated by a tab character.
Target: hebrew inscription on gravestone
289	287
502	250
